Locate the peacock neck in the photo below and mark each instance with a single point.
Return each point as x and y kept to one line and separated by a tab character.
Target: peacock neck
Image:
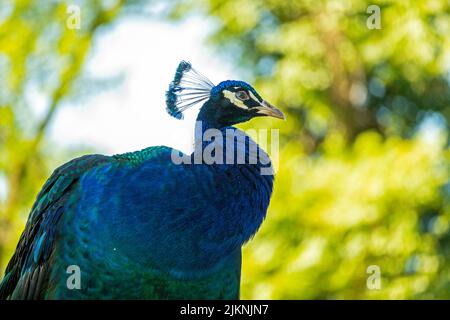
227	146
207	118
213	118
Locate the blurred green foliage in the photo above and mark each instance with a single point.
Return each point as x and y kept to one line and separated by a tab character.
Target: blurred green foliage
364	166
38	53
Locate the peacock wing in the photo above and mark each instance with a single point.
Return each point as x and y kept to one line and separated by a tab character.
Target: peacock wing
28	271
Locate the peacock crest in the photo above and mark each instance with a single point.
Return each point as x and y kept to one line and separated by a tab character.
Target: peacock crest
187	89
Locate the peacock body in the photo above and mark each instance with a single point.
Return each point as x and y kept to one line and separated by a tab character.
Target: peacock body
142	226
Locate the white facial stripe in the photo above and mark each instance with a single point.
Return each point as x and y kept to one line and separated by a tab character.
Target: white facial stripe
253	96
232	97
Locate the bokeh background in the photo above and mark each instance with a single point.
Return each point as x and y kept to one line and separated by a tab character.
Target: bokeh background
364	160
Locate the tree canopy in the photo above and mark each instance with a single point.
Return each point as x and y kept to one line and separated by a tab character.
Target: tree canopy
364	165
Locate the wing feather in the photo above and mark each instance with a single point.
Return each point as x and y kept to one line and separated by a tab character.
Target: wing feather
27	273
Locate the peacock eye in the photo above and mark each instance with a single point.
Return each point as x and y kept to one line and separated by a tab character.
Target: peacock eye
242	95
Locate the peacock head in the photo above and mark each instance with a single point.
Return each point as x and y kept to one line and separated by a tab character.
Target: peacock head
230	102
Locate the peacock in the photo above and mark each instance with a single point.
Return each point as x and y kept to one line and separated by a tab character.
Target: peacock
155	223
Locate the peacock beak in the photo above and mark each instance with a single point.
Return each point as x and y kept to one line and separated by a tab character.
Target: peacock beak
266	109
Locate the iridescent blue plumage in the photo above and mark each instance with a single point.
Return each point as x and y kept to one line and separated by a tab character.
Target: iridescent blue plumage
140	225
233	83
